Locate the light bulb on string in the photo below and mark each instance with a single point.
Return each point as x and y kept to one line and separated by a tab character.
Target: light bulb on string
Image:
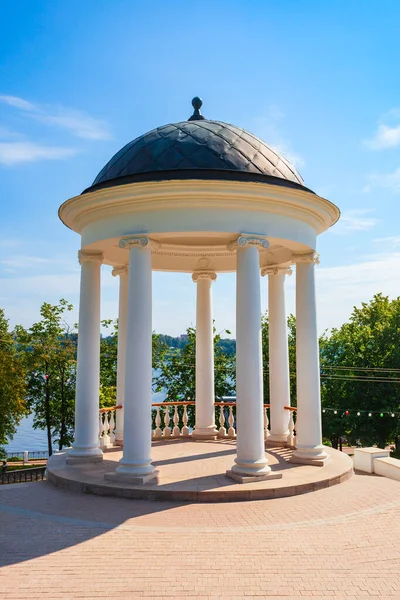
358	414
323	410
335	412
370	414
381	415
392	414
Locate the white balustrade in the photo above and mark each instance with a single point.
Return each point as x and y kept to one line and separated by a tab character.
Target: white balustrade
266	424
185	428
231	421
158	431
176	432
167	430
222	431
292	434
107	427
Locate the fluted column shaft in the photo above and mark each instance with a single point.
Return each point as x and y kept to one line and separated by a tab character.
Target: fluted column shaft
86	444
205	394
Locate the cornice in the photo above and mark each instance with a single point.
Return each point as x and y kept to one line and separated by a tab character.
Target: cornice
78	212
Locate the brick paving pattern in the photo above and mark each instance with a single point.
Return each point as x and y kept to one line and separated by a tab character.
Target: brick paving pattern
341	542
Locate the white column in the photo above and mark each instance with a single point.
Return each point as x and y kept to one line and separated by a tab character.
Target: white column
279	382
122	271
250	459
309	449
135	465
205	413
86	444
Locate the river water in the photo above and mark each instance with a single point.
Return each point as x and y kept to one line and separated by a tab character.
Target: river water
27	438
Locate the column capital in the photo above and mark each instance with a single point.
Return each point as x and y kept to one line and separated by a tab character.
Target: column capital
276	270
142	241
249	240
307	257
120	270
204	275
90	256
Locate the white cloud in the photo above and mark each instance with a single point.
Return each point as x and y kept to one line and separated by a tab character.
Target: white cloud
12	153
17	102
385	137
355	220
387	244
76	122
387	134
387	181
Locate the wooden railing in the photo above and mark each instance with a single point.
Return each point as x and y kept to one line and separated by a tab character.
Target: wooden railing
171	420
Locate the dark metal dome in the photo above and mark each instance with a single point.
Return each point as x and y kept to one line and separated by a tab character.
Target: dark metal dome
197	149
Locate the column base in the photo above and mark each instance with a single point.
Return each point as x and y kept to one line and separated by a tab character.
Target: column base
131	478
247	468
205	433
314	455
78	455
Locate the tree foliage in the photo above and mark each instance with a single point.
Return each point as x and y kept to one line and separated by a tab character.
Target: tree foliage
12	384
350	357
48	352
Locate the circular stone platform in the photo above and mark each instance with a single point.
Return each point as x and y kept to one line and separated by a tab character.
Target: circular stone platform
195	472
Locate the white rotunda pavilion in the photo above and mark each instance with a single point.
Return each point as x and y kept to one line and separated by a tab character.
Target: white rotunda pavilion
200	197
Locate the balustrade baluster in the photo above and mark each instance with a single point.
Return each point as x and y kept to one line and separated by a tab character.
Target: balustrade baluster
176	432
167	430
101	439
231	421
158	431
112	427
291	436
266	424
185	428
106	429
222	431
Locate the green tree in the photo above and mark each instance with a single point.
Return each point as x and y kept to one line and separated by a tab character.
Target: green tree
291	332
176	371
12	384
48	350
359	374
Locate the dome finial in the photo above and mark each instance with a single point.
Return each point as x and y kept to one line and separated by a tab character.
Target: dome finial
197	103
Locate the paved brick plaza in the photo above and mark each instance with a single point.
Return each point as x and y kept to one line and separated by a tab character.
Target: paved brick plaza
341	541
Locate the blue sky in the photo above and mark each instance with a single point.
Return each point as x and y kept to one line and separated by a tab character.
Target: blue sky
317	80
